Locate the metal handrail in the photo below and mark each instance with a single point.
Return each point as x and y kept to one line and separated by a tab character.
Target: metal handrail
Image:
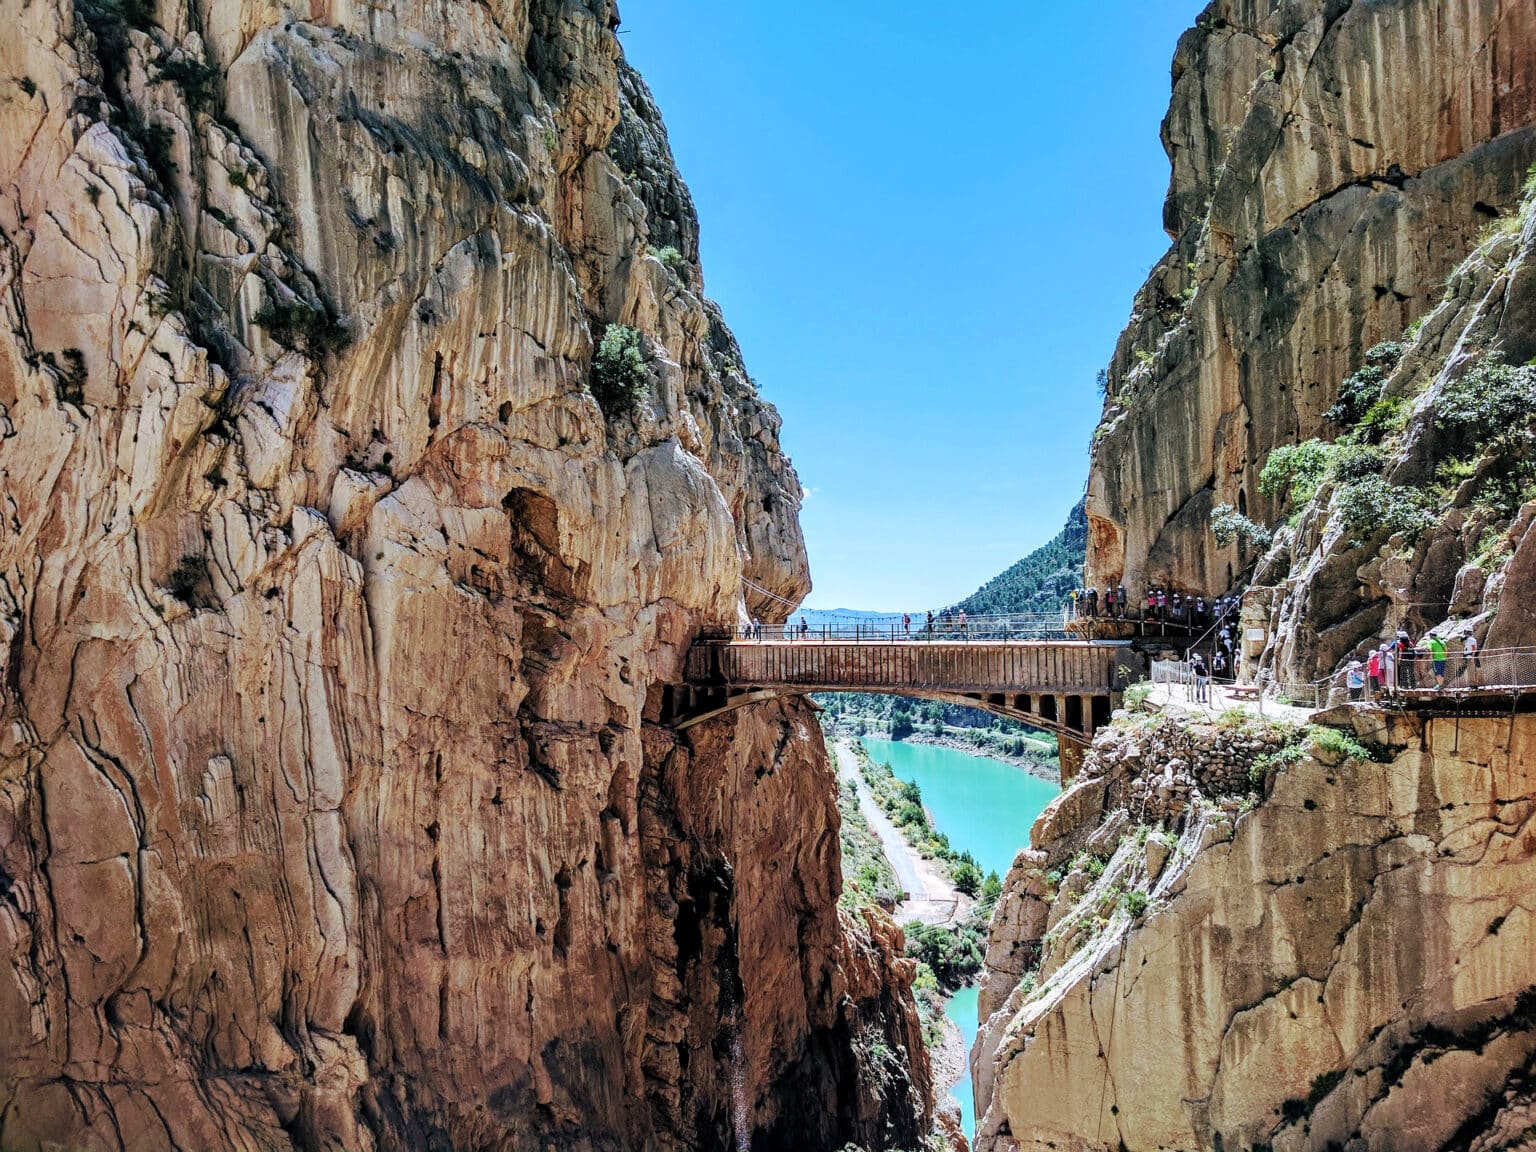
891	629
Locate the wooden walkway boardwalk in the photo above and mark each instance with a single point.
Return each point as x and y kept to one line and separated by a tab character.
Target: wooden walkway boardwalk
1063	686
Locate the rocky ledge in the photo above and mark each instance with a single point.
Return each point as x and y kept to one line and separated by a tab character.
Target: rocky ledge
1341	958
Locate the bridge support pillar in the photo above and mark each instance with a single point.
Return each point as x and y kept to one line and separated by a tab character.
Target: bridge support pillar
1070	753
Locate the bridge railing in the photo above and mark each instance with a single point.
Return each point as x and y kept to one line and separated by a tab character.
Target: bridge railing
1495	672
1047	667
894	630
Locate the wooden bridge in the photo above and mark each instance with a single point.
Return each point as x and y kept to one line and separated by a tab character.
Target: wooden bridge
1065	687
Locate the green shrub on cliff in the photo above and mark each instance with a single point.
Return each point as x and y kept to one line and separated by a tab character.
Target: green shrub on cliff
1229	525
1382	419
620	377
1362	389
1372	506
1294	471
1492	400
1353	462
296	324
671	259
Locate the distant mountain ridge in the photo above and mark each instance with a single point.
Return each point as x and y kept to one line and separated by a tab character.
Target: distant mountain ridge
1042	581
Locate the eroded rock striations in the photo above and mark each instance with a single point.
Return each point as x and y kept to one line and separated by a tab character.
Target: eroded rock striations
335	607
1343	962
1333	161
1229	935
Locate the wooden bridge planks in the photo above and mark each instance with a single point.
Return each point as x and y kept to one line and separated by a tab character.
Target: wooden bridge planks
1041	666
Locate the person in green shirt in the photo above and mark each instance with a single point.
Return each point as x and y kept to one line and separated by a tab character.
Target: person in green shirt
1437	655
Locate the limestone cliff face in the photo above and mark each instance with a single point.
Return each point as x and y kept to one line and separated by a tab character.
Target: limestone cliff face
1347	965
1332	162
334	610
1328	589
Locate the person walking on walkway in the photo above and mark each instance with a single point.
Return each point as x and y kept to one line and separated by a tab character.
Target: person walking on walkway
930	622
1120	600
1202	678
1373	672
1469	654
1093	602
1437	659
1406	671
1109	601
906	624
1354	679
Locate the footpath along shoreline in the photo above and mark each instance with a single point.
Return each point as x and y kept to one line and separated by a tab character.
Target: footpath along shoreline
933	900
931	897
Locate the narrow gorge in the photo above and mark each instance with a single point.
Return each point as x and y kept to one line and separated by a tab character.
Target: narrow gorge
372	459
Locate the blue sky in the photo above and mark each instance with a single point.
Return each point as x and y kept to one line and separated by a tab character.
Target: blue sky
925	223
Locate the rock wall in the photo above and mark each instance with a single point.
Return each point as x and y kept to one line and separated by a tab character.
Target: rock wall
1328	589
1346	965
335	609
1332	162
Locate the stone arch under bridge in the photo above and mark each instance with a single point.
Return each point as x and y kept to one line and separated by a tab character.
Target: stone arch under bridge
1067	688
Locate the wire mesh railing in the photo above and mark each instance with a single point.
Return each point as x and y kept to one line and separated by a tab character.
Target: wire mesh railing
1496	670
903	629
1413	678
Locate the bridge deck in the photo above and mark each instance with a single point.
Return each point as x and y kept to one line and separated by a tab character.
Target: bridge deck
1064	686
970	666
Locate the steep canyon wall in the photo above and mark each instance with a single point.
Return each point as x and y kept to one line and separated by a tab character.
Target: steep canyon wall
336	611
1227	934
1333	161
1347	965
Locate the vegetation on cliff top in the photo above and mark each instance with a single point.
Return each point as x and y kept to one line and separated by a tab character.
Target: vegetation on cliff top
1474	430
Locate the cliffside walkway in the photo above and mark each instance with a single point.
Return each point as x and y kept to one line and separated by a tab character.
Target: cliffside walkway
1062	686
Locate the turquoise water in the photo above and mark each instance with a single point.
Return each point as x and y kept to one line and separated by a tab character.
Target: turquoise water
962	1010
986	808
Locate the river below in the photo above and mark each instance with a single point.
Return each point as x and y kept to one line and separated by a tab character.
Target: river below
986	808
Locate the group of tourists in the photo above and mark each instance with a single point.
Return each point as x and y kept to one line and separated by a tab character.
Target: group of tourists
753	629
1161	605
1401	665
1222	665
948	622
